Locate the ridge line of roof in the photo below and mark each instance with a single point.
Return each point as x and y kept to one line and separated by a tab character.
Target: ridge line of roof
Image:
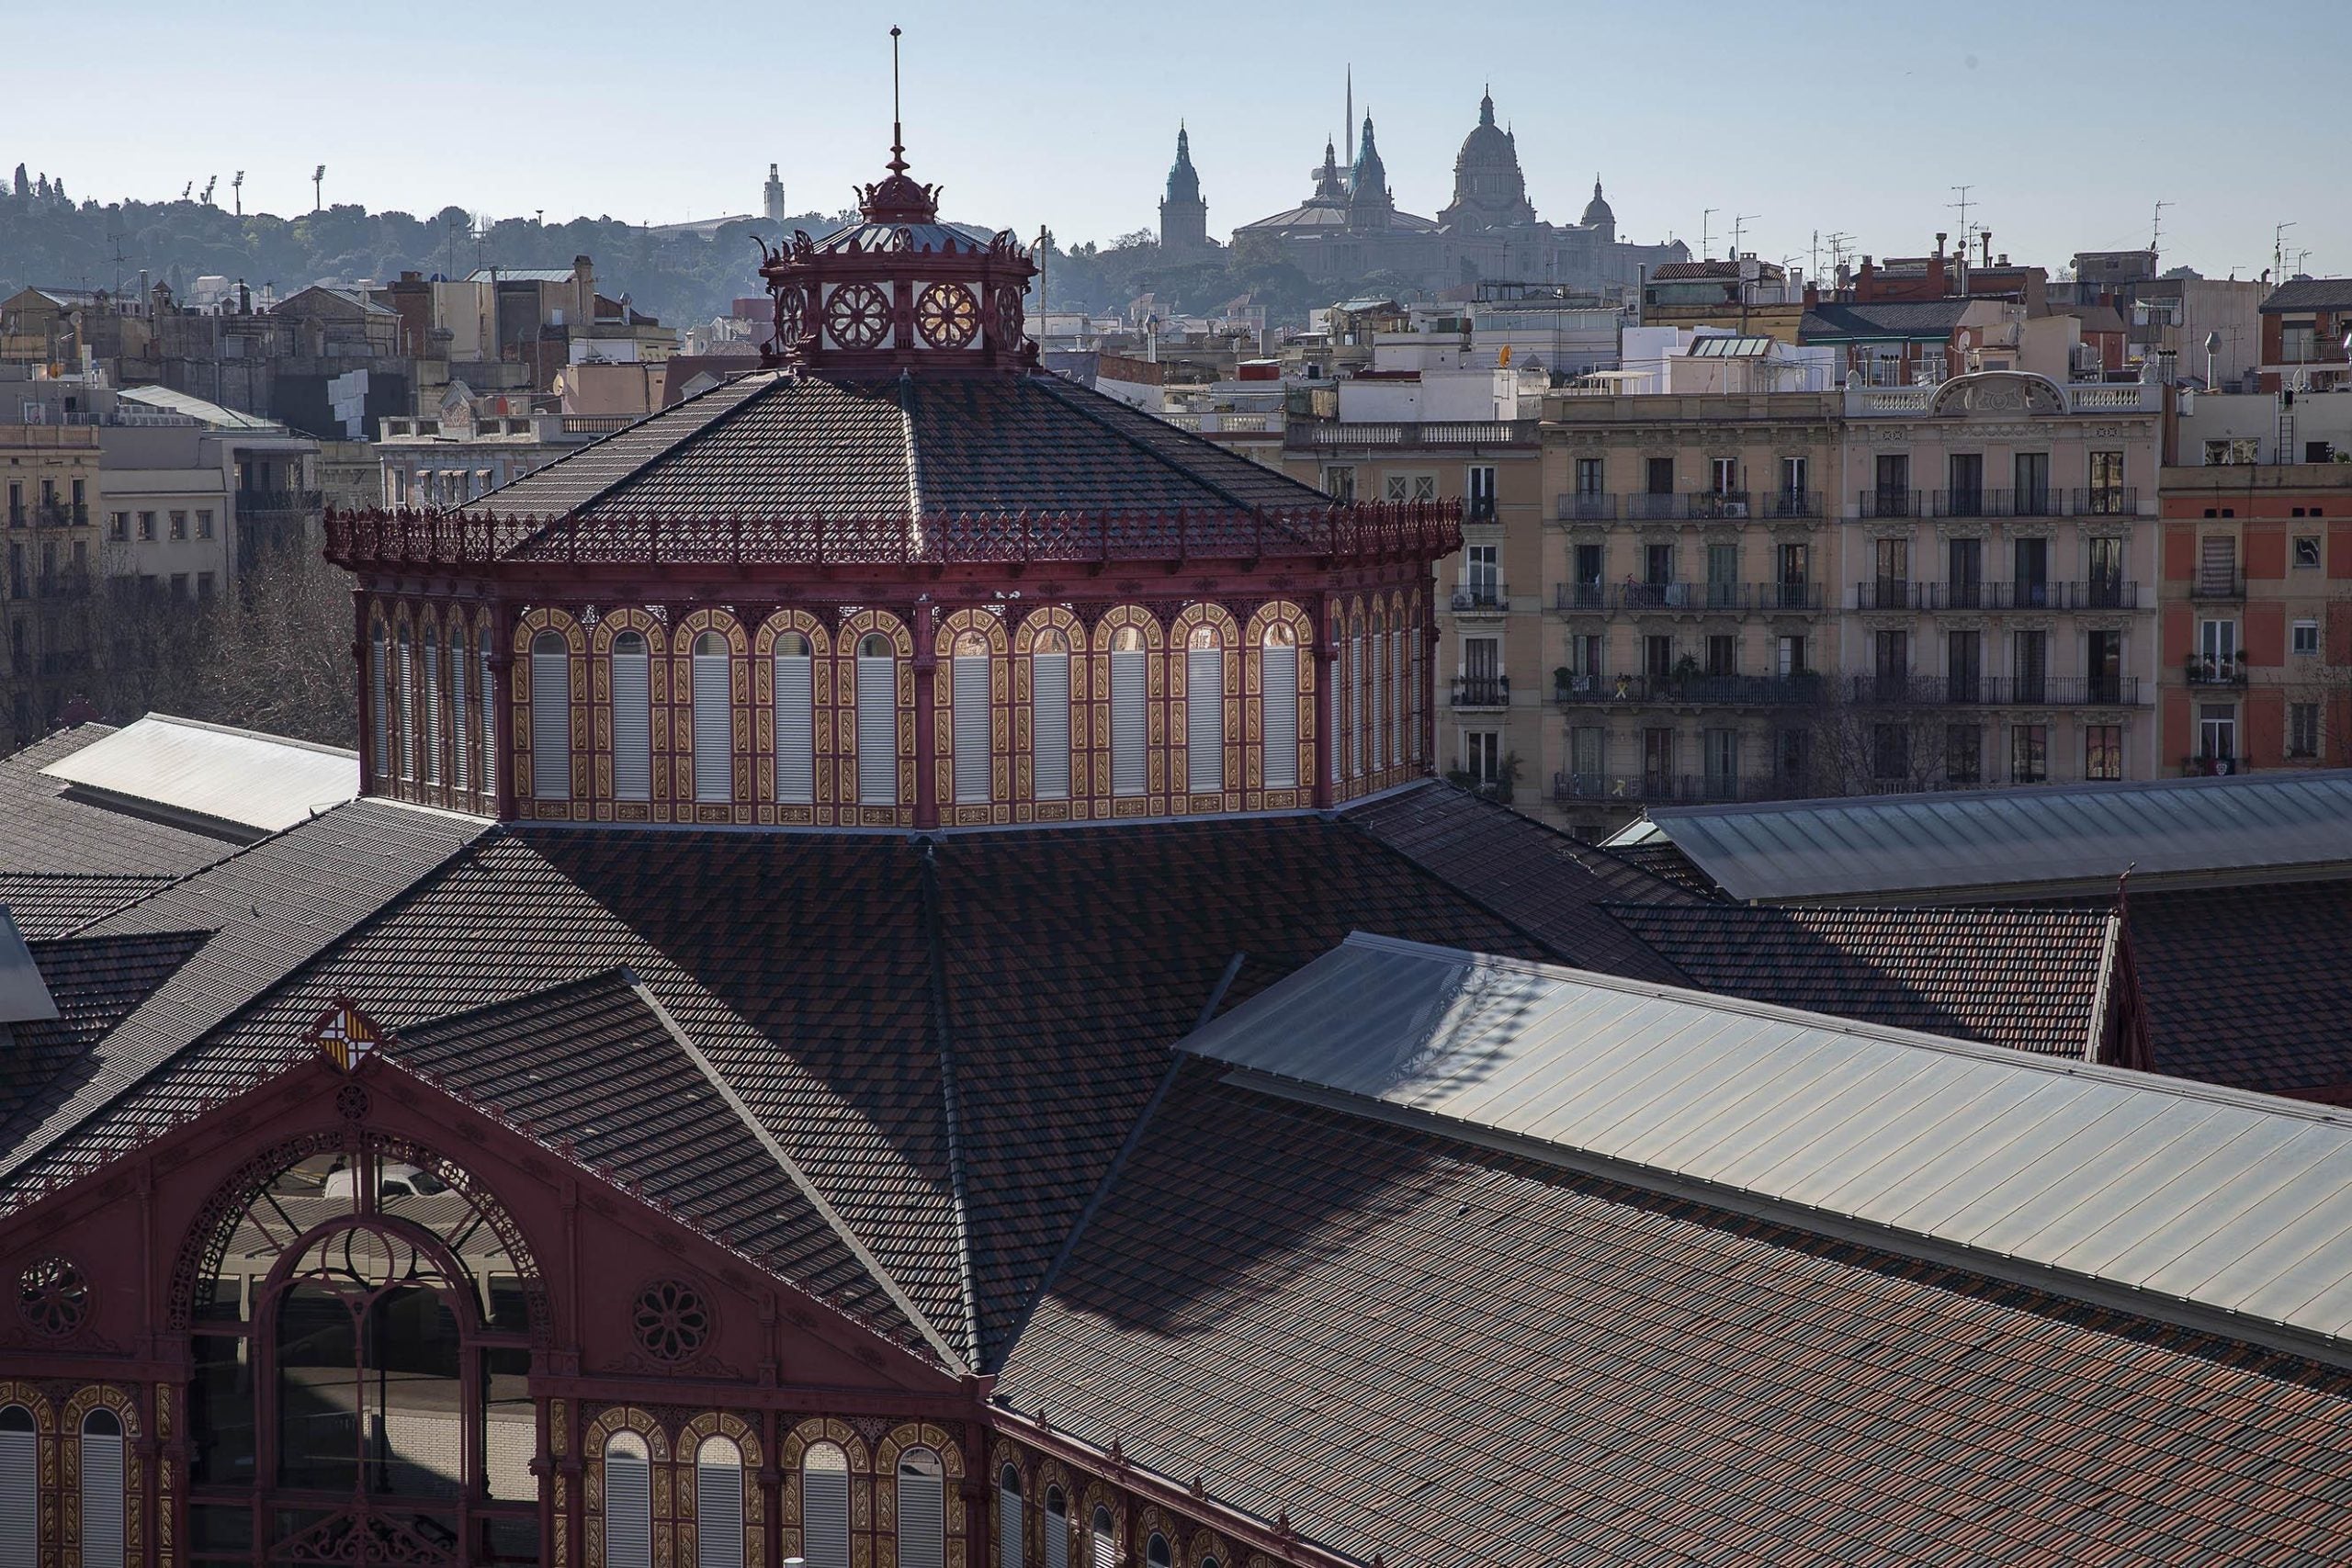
1459	891
951	1109
791	1169
1681	898
2111	953
914	449
1045	384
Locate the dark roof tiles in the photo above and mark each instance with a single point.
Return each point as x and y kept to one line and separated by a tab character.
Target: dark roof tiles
47	833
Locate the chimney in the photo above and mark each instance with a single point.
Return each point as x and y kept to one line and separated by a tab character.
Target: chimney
1987	234
583	288
1940	237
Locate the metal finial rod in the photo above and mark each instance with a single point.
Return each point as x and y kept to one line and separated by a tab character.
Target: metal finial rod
897	136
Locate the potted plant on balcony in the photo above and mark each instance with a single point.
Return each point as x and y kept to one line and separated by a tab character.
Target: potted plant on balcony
1563	681
2199	668
1686	670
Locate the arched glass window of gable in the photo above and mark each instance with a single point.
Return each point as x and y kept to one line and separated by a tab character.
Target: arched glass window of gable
433	693
1049	716
719	1505
1057	1529
632	678
1102	1548
922	1510
1156	1552
1278	706
796	719
713	721
1203	711
551	717
1130	688
1010	1542
970	701
380	697
102	1490
877	721
628	1502
370	1310
824	1507
404	703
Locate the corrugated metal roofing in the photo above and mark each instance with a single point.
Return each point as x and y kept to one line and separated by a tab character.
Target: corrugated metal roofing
2079	838
211	413
237	777
2228	1205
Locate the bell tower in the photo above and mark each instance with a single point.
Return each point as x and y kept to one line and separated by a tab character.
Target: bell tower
1183	216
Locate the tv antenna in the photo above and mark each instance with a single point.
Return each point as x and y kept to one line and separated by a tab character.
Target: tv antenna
1706	233
1739	225
1963	204
2156	229
2278	252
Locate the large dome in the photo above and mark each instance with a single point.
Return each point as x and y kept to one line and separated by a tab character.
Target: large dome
1489	190
1597	210
1488	146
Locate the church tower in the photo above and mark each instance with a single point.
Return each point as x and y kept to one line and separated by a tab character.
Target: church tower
772	197
1183	216
1370	205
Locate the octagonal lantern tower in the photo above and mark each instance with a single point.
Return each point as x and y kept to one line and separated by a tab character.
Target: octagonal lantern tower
898	578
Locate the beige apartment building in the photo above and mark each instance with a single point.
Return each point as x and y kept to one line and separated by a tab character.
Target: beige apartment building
48	479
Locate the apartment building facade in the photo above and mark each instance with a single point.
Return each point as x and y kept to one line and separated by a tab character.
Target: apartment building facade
49	485
1688	609
1993	534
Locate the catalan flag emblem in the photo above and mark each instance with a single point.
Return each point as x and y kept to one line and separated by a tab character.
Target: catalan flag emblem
345	1036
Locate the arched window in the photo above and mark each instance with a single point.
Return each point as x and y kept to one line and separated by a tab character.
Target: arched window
628	1502
632	675
1049	717
971	701
102	1461
404	704
433	693
922	1510
1103	1550
1156	1552
1355	704
719	1505
1008	1539
1278	706
796	719
1057	1529
488	699
20	1488
824	1507
1413	708
1203	711
551	717
462	751
380	697
877	721
713	722
1128	689
1376	721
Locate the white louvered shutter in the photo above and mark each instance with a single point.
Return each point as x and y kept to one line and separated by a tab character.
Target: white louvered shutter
824	1518
1010	1546
923	1517
432	709
551	725
1333	744
632	722
1057	1539
1355	705
1127	689
1414	717
878	731
1105	1542
796	728
719	1516
1379	699
713	731
460	750
628	1511
380	692
407	707
101	1500
971	702
1204	719
20	1495
1399	747
1278	723
1049	726
489	700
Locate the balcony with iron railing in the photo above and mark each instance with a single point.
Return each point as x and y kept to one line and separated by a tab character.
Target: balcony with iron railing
1481	692
1889	593
1694	506
1891	504
2200	671
1645	787
2216	583
1702	598
2097	594
1994	691
2107	500
1480	599
1689	691
2039	501
1587	507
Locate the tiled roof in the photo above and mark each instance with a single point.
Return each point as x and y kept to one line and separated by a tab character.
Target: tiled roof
775	445
45	832
95	981
2249	985
1456	1358
2310	294
1551	886
2024	978
1892	319
51	903
1661	858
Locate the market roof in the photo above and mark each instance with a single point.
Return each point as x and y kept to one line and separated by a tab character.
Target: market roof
2029	840
211	777
58	842
2222	1211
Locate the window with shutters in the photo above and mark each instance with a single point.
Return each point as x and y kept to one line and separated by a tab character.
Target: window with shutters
380	697
462	750
922	1510
628	1502
1128	687
1057	1529
1103	1543
1355	705
1413	708
1049	717
1205	711
1377	720
1156	1552
632	679
719	1505
551	717
1010	1542
1278	706
796	719
824	1507
488	699
404	704
969	668
102	1490
20	1488
433	721
714	729
877	721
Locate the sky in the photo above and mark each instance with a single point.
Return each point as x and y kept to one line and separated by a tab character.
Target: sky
2068	123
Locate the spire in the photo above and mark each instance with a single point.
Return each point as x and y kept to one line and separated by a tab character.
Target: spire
1487	107
898	199
1183	182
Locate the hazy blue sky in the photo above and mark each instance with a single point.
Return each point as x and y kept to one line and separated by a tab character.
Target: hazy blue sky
2070	121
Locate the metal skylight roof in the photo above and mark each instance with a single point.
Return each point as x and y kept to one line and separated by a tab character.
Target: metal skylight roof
213	776
2228	1210
2078	838
1730	347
